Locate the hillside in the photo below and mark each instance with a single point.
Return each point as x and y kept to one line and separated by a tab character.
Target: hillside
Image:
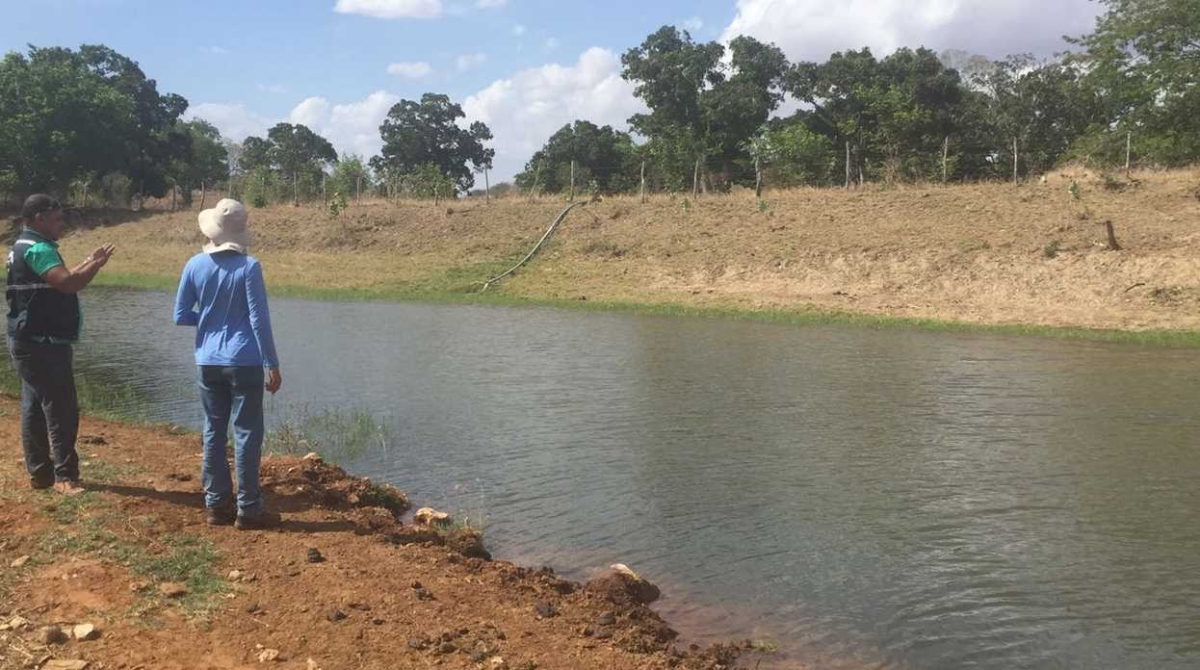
988	254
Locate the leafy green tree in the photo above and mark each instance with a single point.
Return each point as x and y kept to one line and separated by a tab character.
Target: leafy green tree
602	155
425	133
1143	62
349	176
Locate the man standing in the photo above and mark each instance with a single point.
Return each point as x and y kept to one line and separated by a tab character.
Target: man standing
222	293
43	322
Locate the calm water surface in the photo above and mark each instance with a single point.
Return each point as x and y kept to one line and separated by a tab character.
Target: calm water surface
864	498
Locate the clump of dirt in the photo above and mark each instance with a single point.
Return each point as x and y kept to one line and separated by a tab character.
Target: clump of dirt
324	484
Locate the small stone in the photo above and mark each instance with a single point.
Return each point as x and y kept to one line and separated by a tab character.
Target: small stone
62	664
51	635
139	585
479	657
268	655
250	577
19	562
361	607
606	619
312	456
335	615
447	648
418	642
544	609
604	634
497	663
423	594
416	585
235	575
85	631
173	589
428	516
253	608
15	623
377	621
314	555
311	665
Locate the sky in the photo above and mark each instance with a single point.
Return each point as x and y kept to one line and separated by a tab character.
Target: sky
524	67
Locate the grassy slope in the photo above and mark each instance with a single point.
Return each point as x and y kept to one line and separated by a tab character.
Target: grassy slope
1015	259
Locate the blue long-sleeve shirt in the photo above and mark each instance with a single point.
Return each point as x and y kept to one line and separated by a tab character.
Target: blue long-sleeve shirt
233	323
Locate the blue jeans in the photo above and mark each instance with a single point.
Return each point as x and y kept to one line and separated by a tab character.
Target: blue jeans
232	393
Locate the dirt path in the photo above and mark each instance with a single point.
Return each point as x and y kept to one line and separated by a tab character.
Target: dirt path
385	595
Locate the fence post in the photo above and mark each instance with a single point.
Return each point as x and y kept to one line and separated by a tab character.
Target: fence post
324	192
1016	176
295	191
643	187
945	155
487	187
696	179
757	178
1128	151
847	165
572	180
358	189
203	194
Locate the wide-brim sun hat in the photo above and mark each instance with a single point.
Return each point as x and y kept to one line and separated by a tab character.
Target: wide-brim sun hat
227	227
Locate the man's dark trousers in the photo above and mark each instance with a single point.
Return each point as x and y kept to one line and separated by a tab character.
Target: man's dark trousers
49	410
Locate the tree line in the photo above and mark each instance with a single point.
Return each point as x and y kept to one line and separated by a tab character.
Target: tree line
89	124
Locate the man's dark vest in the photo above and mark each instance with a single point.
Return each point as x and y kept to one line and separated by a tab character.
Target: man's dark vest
35	309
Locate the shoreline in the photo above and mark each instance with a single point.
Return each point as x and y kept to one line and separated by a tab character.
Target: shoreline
802	316
385	594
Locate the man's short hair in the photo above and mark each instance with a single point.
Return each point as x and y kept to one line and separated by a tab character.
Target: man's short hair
38	203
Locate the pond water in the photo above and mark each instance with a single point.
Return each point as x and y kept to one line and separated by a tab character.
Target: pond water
862	498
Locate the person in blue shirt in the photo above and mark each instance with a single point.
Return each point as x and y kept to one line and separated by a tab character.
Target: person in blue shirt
44	320
222	294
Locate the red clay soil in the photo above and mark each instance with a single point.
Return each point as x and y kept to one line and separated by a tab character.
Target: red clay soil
375	593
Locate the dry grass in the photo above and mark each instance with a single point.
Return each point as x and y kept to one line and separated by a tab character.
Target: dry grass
971	253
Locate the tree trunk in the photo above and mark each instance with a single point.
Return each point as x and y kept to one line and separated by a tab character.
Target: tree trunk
295	191
174	191
696	179
1112	236
203	194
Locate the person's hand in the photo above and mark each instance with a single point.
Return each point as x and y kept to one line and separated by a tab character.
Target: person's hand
274	381
101	255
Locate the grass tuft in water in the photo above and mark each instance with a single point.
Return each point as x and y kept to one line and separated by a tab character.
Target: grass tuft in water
337	435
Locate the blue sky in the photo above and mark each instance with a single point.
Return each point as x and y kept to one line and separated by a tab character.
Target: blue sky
525	67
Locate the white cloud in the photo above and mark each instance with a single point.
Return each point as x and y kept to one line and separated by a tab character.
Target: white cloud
470	61
525	109
391	9
410	70
813	29
490	4
518	30
235	122
351	127
692	25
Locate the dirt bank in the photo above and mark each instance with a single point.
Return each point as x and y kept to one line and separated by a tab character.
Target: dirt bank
986	254
342	583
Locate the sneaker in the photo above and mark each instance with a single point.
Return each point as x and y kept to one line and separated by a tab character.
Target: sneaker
40	485
69	487
258	521
220	516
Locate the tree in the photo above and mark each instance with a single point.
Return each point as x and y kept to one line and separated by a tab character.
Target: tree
602	156
418	134
207	161
68	115
349	177
290	152
1143	62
